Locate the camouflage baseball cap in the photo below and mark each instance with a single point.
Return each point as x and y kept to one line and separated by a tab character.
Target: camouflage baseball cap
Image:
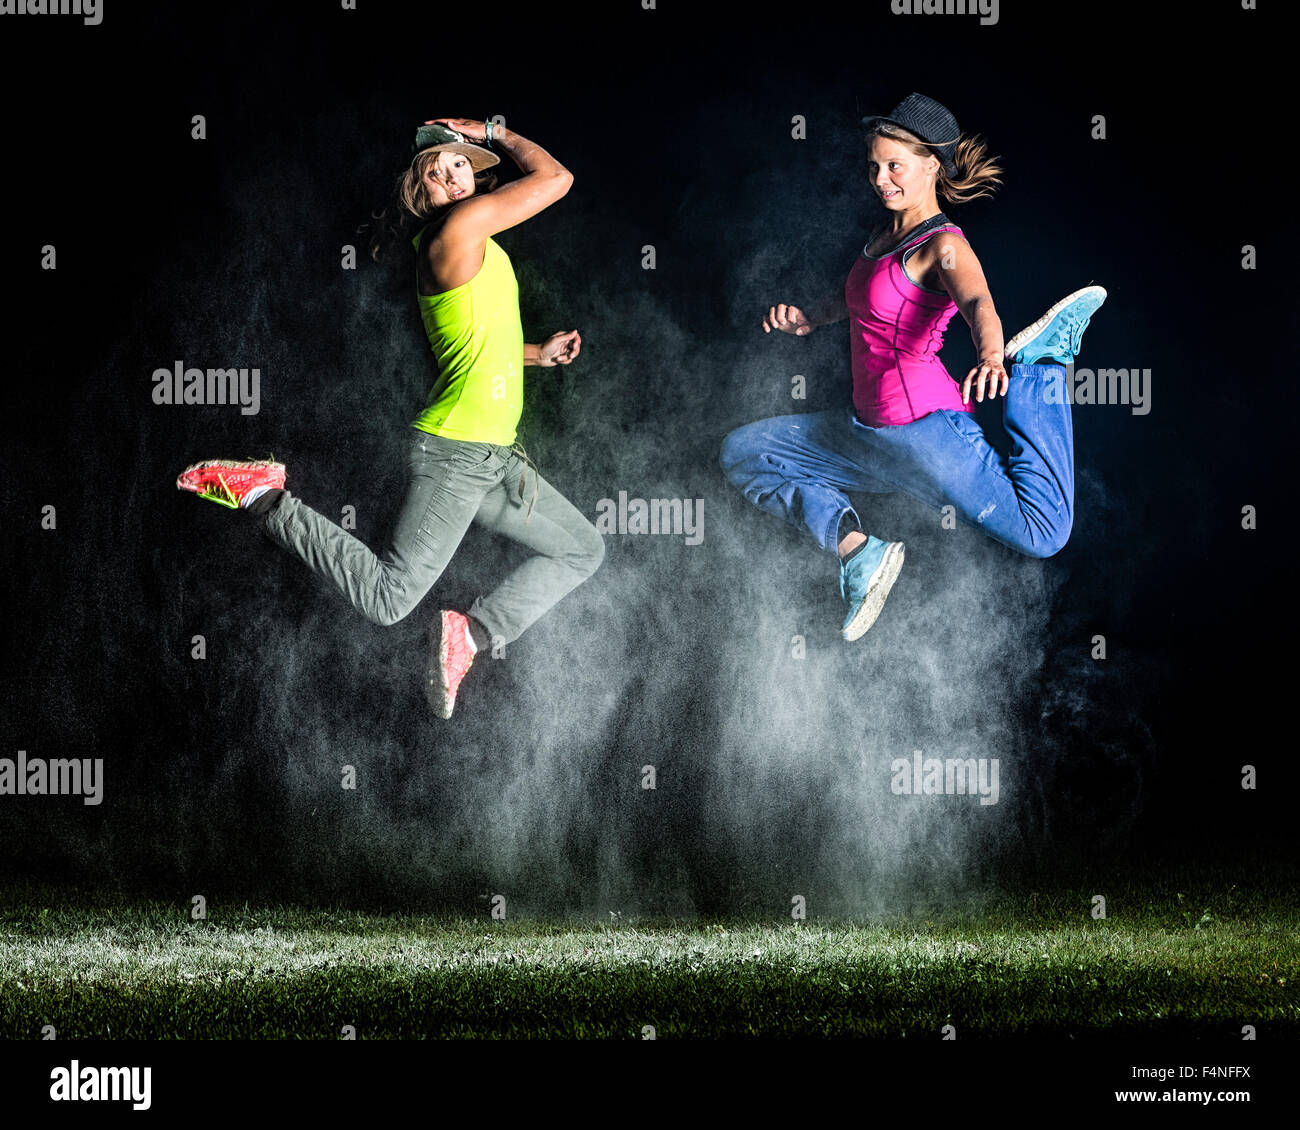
438	137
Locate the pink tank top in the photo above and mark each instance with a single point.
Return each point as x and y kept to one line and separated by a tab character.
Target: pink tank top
896	330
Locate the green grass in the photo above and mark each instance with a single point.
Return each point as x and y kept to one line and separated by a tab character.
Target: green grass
1198	963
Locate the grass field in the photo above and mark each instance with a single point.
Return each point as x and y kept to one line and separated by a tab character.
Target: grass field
1191	960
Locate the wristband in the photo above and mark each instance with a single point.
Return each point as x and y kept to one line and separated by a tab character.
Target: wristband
488	131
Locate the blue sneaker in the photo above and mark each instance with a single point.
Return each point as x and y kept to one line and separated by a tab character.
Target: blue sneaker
1058	332
865	581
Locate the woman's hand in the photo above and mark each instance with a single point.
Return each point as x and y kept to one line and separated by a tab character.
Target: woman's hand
990	371
559	349
472	130
787	319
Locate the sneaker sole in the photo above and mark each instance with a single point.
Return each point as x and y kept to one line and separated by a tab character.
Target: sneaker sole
233	464
435	690
1025	336
888	571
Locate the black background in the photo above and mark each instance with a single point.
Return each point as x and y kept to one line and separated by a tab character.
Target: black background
222	775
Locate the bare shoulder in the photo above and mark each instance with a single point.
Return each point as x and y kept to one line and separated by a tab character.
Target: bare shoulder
954	239
947	249
450	255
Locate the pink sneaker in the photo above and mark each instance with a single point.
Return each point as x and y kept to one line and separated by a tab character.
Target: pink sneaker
229	481
451	653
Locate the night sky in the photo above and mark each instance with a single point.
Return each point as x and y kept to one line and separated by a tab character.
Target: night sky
223	774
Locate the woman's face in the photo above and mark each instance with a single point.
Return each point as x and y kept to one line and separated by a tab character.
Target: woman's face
900	178
449	178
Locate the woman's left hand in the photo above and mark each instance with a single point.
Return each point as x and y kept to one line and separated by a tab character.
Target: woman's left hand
560	348
991	372
470	128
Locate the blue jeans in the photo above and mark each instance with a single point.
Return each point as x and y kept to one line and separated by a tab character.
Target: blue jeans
799	467
451	483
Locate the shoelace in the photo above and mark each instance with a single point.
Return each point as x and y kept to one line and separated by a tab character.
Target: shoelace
518	449
844	580
212	494
1071	334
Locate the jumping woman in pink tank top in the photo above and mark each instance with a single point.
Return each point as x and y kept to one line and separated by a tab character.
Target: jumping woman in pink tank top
911	426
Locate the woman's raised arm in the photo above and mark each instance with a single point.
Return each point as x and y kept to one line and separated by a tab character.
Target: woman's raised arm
544	182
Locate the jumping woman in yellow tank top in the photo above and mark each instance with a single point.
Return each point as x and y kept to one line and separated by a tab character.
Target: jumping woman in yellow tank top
462	460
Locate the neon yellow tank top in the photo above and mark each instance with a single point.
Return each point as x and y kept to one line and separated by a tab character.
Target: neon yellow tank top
478	343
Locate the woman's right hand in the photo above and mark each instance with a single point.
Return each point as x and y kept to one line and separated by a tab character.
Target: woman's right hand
787	319
472	130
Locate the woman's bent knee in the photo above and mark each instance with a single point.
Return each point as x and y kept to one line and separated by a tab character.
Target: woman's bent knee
386	615
1049	543
396	599
591	550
